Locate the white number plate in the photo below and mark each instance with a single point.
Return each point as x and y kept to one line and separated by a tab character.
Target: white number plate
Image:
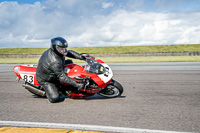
28	78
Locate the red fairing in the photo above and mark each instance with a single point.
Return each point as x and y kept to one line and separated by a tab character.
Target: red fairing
76	70
79	95
94	77
100	61
26	73
16	70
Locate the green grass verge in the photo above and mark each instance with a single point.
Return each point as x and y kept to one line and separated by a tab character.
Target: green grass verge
111	59
122	49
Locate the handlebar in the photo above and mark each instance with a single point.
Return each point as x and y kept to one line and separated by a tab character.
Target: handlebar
87	55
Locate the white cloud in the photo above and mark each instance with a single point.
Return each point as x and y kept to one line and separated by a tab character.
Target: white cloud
106	5
142	28
90	23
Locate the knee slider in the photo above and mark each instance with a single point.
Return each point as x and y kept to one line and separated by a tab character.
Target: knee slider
54	98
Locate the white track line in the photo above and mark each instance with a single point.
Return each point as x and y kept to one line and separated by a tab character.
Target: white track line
81	127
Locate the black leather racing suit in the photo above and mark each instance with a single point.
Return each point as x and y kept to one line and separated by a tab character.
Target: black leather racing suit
50	69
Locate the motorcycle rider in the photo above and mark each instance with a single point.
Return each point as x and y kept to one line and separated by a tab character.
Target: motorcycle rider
50	68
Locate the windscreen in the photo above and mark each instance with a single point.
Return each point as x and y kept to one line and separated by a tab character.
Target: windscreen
94	67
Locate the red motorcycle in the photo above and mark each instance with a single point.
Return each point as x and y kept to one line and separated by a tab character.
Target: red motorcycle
96	75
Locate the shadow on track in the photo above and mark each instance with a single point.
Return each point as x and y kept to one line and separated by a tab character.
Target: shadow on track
94	97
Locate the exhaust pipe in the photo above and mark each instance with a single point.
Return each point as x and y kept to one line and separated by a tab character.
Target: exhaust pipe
34	90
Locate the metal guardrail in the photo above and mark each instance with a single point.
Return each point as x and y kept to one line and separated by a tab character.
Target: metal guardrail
20	55
193	53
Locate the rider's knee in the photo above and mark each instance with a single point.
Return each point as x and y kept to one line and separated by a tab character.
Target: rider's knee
51	92
54	98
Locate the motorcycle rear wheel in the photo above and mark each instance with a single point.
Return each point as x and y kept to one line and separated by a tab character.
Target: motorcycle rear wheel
112	90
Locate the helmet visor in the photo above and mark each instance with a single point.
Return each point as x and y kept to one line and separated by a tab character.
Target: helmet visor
62	50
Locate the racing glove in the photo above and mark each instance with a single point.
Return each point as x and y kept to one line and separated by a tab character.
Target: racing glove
87	55
83	57
67	80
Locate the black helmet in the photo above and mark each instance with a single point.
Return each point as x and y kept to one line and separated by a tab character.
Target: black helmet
59	46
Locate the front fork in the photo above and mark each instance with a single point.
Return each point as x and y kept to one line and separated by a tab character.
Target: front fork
112	82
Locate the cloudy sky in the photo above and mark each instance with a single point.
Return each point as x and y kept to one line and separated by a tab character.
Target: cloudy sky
32	23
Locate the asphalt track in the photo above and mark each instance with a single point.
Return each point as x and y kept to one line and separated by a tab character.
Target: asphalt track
157	96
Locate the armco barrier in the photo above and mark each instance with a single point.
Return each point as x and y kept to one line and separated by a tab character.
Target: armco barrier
20	55
193	53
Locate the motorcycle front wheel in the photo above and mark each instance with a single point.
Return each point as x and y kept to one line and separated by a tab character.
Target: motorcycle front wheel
112	90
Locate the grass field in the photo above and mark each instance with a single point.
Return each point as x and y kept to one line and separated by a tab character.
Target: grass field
111	59
122	49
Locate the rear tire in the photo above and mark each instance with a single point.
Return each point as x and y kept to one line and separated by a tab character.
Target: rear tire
112	90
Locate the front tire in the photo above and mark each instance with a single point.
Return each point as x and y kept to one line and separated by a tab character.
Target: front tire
112	90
